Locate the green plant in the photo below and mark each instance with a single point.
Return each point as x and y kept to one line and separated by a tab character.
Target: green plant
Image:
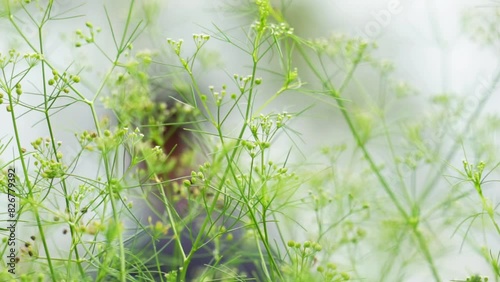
198	187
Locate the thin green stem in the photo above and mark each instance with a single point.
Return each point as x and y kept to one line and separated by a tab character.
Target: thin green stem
459	137
116	218
30	188
172	222
337	95
52	138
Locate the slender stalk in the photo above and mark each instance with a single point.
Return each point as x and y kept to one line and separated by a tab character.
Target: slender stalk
457	142
337	95
40	50
29	185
